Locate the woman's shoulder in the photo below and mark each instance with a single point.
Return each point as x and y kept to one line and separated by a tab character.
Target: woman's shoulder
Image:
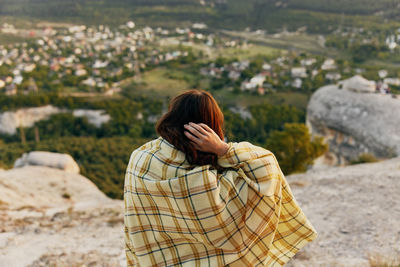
151	143
157	159
145	148
162	149
245	146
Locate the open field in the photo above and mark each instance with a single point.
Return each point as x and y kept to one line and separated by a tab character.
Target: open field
300	42
245	52
298	100
159	82
19	21
163	82
383	64
250	51
6	39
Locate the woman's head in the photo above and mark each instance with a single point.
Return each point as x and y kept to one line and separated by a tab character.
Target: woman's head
196	106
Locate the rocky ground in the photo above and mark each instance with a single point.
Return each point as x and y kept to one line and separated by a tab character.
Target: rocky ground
356	211
50	217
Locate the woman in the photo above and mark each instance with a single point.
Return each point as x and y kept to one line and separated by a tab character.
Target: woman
192	199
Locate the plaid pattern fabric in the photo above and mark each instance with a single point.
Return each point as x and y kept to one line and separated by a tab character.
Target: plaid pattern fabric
182	215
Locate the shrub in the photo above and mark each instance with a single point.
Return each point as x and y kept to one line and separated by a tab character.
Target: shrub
364	158
294	147
66	195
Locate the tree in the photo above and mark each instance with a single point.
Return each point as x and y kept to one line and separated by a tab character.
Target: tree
294	147
221	61
363	52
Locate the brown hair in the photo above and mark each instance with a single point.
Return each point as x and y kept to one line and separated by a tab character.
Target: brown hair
196	106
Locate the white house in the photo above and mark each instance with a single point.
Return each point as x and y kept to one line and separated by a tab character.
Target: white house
382	74
329	64
246	85
18	79
308	61
80	72
297	83
255	82
99	64
234	75
266	66
130	24
258	80
392	81
29	67
392	45
334	76
299	72
89	82
199	26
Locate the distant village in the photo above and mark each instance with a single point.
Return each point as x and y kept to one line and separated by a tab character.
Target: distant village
87	57
280	73
99	59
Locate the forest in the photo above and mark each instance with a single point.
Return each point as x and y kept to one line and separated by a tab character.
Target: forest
318	16
102	153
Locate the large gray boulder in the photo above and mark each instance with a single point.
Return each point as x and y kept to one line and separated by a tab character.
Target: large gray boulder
355	123
49	159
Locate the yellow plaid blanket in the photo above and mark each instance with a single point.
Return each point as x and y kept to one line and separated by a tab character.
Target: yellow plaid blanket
182	215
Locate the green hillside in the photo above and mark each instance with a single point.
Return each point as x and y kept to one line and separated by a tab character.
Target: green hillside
319	16
344	6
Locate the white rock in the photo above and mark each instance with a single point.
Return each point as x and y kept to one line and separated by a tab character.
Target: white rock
58	216
48	188
25	117
10	121
54	160
95	117
359	84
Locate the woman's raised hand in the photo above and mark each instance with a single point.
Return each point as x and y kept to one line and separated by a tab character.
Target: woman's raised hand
205	139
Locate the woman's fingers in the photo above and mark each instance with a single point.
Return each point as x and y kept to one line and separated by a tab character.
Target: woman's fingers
192	137
200	129
193	130
206	127
202	137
